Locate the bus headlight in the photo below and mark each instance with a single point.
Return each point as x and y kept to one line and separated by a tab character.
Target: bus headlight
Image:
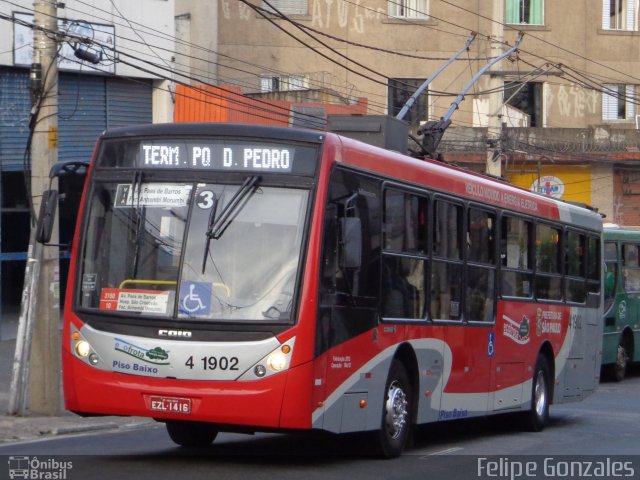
276	361
83	348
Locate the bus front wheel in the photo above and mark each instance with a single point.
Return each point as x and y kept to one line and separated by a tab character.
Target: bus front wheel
396	413
538	415
191	434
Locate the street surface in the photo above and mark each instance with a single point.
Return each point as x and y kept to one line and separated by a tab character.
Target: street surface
606	424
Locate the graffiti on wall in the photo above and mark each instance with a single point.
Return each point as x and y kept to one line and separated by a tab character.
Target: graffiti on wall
571	101
618	210
325	14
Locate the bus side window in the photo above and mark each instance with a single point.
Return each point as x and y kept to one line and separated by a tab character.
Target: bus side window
446	271
481	265
515	254
548	264
575	267
403	293
352	199
630	268
594	264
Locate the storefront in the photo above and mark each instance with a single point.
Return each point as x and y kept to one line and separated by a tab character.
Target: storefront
88	104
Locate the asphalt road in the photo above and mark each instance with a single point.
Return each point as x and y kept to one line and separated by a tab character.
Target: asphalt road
603	428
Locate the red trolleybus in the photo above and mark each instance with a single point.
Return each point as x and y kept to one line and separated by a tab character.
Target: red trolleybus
248	278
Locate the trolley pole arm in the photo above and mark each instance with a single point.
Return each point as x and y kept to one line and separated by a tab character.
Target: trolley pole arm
407	106
434	130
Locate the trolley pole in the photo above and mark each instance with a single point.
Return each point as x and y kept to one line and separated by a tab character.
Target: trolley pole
495	86
35	384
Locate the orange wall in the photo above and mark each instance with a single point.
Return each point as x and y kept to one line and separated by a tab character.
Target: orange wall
227	104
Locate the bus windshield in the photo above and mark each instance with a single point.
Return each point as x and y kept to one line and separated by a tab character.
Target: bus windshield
149	250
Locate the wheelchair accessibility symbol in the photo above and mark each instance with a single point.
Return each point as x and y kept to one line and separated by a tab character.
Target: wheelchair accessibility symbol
195	298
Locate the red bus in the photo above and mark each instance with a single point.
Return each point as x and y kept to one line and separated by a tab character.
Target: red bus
249	278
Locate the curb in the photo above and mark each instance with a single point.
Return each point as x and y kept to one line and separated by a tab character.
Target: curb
79	429
24	432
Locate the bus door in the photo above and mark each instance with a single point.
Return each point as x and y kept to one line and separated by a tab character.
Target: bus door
463	295
347	331
508	345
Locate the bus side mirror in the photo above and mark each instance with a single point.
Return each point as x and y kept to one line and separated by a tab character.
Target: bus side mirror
351	243
47	216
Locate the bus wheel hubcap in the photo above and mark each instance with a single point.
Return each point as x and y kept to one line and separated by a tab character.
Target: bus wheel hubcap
396	409
540	394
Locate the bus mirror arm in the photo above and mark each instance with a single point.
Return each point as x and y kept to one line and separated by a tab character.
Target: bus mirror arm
63	169
49	202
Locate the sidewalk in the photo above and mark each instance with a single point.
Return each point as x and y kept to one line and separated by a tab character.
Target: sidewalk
33	427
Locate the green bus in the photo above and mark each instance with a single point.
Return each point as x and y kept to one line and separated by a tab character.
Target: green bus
622	299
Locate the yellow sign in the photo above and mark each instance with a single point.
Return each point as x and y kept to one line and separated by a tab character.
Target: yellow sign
566	182
53	137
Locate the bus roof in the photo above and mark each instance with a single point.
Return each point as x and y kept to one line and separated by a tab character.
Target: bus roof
616	232
224	129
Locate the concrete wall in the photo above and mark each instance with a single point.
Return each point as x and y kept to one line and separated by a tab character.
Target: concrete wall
197	41
572	32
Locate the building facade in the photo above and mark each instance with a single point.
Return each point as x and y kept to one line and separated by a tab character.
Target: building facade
568	96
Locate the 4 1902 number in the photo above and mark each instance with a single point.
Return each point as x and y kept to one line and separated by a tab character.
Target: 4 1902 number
213	363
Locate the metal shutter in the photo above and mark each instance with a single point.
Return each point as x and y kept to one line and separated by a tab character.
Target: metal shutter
128	102
81	106
606	14
15	104
609	102
288	7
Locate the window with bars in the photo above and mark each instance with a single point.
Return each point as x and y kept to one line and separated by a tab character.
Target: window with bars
618	102
284	83
416	9
528	12
620	15
287	7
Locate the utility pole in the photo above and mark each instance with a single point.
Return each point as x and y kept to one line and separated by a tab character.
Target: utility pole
45	364
495	87
35	386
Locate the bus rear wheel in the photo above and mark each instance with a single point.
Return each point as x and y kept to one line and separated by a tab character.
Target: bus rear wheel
538	415
191	434
396	413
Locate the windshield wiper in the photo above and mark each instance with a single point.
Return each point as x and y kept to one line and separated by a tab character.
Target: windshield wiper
212	216
229	211
140	212
217	226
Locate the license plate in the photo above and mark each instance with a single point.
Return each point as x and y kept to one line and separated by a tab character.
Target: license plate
170	405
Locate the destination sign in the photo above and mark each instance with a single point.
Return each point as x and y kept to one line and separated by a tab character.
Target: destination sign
209	154
217	156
